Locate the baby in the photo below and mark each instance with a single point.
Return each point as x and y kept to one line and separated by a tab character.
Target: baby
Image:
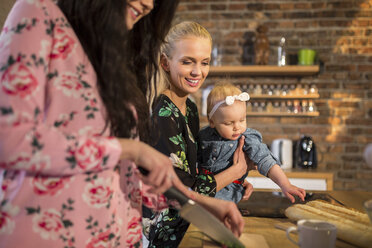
226	105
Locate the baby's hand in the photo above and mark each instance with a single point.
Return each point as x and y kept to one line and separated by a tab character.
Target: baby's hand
292	191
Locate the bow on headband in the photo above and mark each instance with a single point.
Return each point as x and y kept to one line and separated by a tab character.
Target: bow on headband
229	100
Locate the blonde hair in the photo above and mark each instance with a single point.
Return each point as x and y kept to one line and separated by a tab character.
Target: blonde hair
177	33
220	92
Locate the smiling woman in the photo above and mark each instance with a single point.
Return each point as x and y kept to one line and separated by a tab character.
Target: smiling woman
185	58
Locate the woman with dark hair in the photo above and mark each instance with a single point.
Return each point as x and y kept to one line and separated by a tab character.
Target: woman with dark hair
73	84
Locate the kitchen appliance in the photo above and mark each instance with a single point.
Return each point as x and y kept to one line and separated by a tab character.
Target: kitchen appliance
283	150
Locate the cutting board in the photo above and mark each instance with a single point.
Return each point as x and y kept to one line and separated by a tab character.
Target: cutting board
248	239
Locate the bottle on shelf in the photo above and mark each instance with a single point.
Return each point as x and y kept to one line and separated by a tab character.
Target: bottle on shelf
292	90
313	89
265	89
251	89
311	107
304	106
289	107
257	90
271	89
249	107
283	107
276	107
269	107
277	90
296	106
285	90
281	52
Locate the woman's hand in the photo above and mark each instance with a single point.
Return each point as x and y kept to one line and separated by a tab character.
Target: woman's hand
159	166
226	211
239	161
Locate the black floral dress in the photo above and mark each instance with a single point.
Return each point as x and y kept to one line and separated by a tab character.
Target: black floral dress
175	136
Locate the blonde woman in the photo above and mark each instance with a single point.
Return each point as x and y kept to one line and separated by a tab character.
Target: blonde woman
184	63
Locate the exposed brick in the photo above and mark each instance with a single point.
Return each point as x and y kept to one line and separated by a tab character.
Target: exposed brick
218	7
341	33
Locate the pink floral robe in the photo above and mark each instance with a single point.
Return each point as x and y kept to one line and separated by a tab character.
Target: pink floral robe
61	181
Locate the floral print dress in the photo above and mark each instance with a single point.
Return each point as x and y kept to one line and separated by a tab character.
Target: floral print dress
61	181
175	136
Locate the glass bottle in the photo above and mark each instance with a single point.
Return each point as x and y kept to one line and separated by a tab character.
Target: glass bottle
276	107
296	106
313	89
257	90
283	107
249	107
289	107
269	107
265	89
304	106
311	107
251	89
281	52
285	90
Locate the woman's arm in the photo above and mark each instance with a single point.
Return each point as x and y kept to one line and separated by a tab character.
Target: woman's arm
29	44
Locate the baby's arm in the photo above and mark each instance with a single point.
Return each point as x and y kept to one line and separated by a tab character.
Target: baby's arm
278	176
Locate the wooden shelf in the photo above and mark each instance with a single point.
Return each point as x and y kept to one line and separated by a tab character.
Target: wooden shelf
264	70
278	114
309	96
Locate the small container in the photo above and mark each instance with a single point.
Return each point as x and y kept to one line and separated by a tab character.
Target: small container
282	52
257	90
311	107
249	107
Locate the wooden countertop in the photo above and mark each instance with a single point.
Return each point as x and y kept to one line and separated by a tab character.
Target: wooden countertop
266	226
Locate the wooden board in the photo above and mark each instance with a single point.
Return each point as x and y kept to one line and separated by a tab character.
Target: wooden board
248	239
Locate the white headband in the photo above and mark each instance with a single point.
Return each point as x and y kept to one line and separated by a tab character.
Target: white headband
229	101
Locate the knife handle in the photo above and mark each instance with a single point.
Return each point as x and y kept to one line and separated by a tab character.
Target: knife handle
172	193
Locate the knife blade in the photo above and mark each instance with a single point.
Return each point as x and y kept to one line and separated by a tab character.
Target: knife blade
203	219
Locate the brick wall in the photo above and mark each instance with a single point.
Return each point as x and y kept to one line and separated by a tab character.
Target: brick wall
341	33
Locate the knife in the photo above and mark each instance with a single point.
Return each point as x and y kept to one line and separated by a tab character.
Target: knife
201	218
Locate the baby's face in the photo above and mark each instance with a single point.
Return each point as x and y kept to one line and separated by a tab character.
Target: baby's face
230	120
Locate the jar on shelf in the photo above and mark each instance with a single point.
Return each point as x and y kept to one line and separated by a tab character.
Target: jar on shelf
265	89
261	107
255	106
276	107
304	106
269	107
296	107
313	89
257	90
278	90
251	89
283	107
306	89
292	90
270	92
284	90
249	107
311	107
289	107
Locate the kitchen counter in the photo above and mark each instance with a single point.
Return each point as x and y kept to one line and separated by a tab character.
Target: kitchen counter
266	226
